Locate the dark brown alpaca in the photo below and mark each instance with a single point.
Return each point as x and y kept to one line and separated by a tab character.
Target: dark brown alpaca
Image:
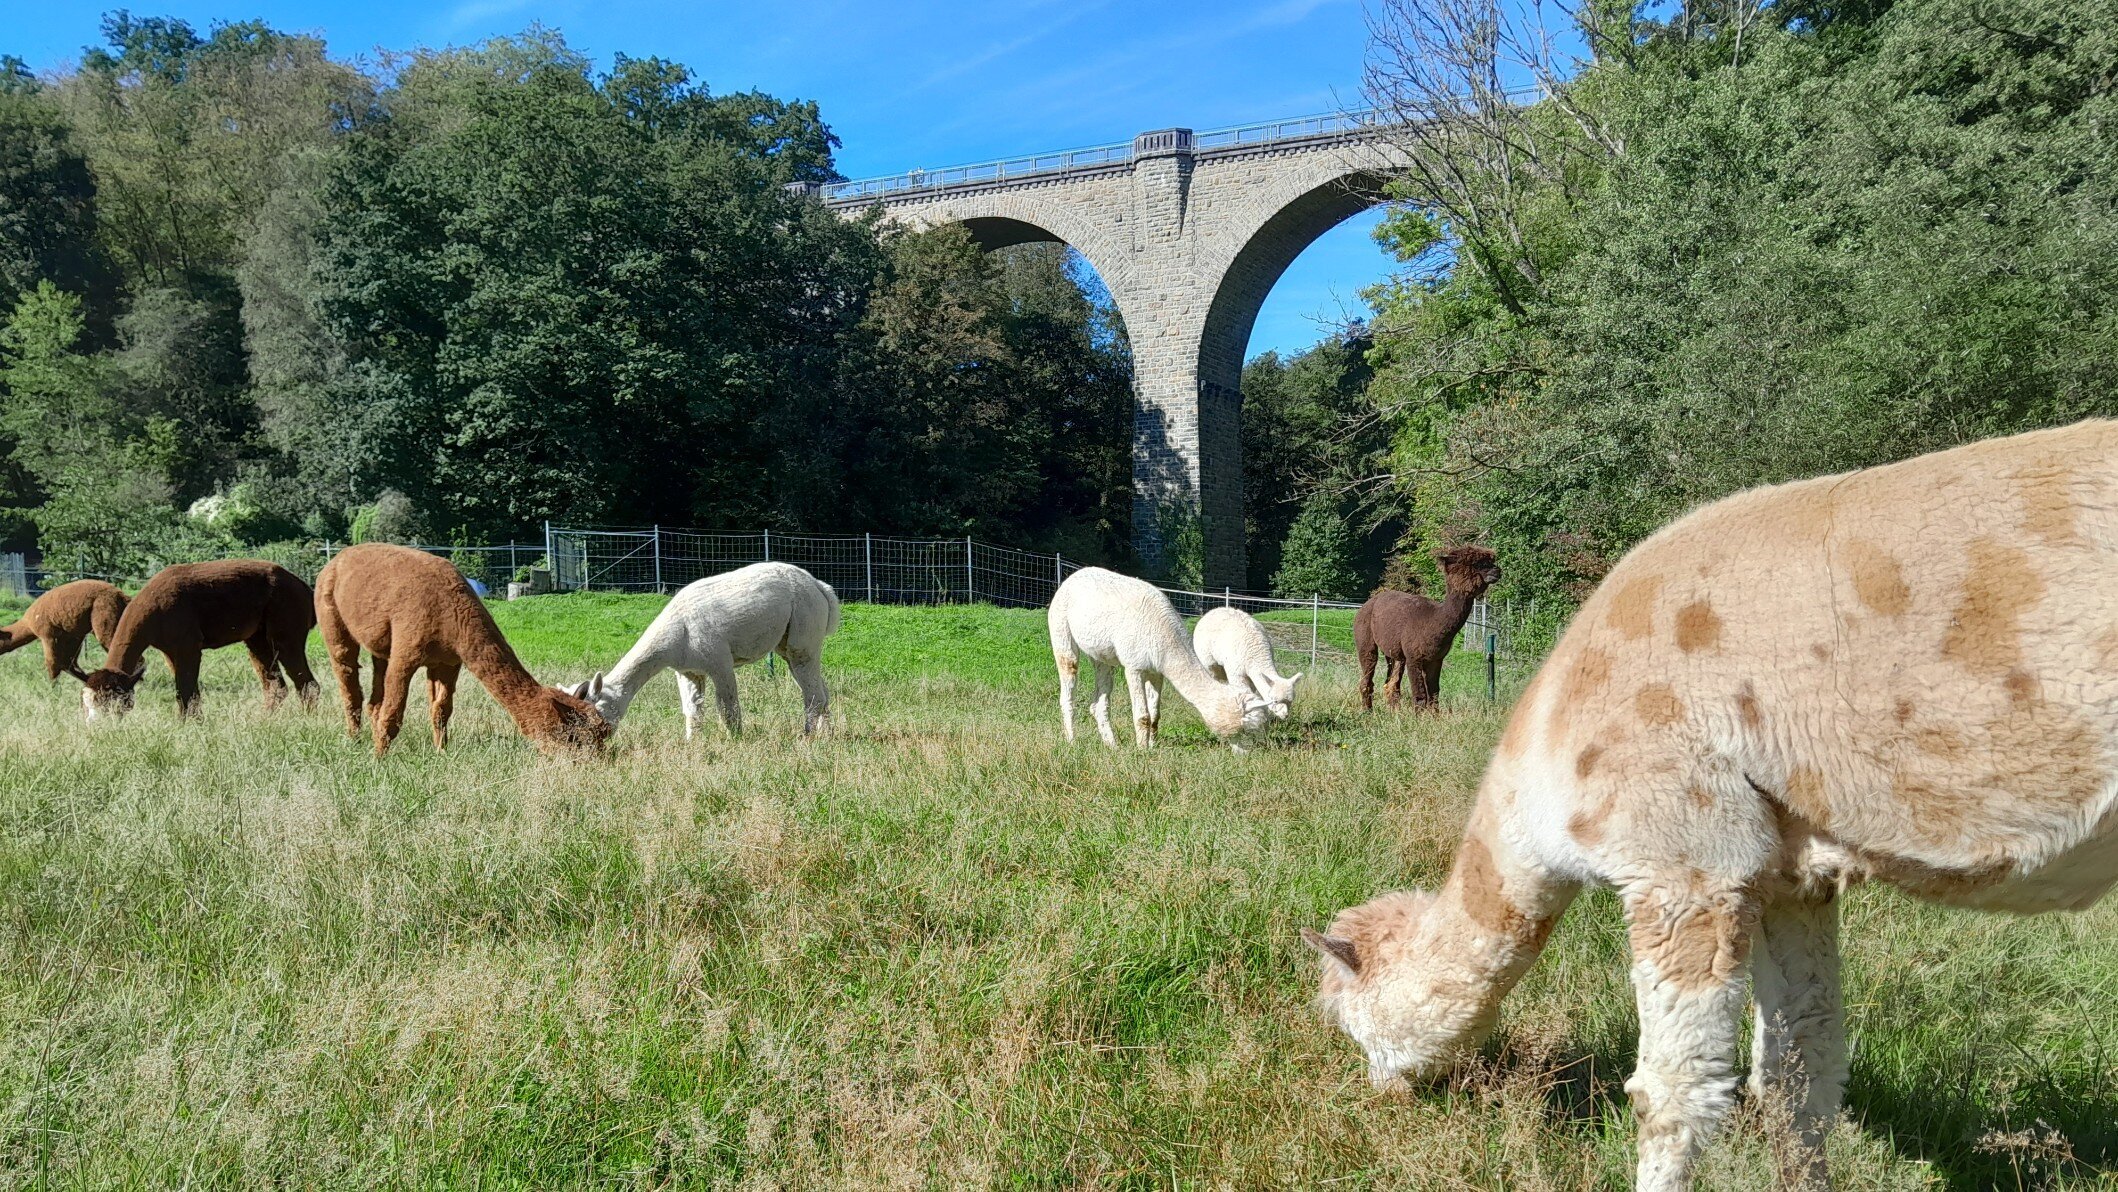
1414	633
62	619
191	608
412	610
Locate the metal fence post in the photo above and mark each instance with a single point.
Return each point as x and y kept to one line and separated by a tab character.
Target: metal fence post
868	550
550	560
1058	571
1224	595
1316	610
768	546
658	558
970	581
1492	646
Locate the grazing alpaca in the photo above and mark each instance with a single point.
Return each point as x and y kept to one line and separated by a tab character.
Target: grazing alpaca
190	608
1114	620
1907	674
1414	633
722	622
1233	647
412	610
62	619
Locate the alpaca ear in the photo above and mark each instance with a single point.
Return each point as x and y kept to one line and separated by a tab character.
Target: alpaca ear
595	685
1252	703
139	672
1296	678
1335	948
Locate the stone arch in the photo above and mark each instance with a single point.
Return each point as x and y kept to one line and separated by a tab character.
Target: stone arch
1261	254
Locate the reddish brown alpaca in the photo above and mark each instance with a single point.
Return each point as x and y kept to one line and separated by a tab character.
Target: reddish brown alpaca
412	610
62	619
191	608
1414	633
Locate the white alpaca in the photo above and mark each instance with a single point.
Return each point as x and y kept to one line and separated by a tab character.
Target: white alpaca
1114	620
1233	646
722	622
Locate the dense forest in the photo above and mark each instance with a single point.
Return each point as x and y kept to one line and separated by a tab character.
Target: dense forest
1743	243
254	294
257	295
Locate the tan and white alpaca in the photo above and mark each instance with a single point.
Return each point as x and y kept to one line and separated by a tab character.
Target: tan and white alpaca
1907	674
1115	620
1234	648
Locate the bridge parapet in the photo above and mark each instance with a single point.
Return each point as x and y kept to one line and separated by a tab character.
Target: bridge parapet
1265	134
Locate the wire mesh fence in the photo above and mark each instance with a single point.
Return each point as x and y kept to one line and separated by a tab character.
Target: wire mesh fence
877	569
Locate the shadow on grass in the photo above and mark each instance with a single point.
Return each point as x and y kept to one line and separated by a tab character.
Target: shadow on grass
2051	1125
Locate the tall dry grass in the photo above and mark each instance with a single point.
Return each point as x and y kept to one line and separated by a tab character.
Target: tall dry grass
938	949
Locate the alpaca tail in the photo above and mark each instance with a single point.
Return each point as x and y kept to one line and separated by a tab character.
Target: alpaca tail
831	608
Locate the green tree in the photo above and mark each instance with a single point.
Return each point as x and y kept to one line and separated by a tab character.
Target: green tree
1321	554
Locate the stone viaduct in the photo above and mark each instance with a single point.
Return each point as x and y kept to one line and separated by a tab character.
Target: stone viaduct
1189	231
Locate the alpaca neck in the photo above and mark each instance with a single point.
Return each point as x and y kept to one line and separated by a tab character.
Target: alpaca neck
1456	608
632	673
1181	666
488	657
1492	917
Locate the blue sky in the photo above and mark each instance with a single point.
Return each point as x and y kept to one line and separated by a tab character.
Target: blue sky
936	83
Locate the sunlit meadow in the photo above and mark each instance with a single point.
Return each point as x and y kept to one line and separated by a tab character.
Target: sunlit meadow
937	949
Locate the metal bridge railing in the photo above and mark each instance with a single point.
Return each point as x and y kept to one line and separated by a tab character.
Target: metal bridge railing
1266	132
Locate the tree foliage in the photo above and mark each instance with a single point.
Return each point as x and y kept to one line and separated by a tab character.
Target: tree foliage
1763	245
489	285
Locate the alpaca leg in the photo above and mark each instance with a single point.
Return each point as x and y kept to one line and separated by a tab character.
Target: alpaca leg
722	672
1367	660
344	653
293	650
265	661
691	693
1688	949
378	683
441	701
1100	705
1136	699
1069	670
816	696
1154	708
396	689
58	659
1430	685
1393	681
184	668
1798	1045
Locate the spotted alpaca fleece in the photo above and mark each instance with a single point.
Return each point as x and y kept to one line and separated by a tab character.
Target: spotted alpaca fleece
190	608
1233	646
711	627
413	611
1115	620
62	619
1907	674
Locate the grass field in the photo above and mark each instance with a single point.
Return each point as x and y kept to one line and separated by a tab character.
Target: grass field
937	949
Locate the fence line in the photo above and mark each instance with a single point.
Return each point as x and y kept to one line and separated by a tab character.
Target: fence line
879	569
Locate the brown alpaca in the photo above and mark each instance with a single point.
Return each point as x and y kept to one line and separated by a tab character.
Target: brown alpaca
412	610
1414	633
62	619
191	608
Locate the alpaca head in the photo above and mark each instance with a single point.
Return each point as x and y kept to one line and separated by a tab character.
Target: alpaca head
1389	983
598	695
1469	569
108	692
570	722
1279	696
